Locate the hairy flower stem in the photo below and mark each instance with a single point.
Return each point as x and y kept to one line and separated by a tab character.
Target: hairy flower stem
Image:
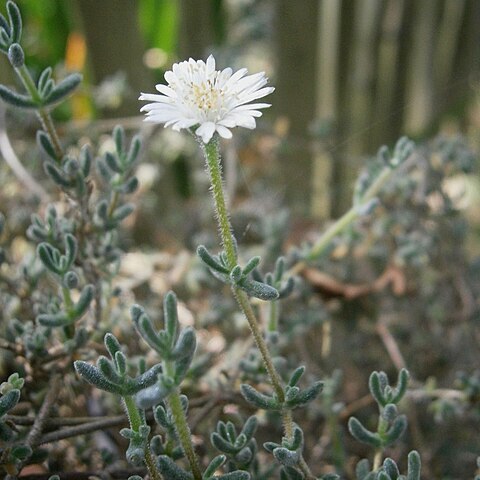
43	114
212	156
183	431
136	421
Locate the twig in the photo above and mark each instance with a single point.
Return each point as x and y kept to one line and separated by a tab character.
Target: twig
59	421
87	427
205	410
351	408
80	430
42	417
391	344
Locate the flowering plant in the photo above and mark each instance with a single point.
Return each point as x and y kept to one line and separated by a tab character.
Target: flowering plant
62	304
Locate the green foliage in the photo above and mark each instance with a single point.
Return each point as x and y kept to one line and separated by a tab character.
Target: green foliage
174	345
389	470
11	30
111	375
391	425
12	452
275	279
239	447
237	276
138	444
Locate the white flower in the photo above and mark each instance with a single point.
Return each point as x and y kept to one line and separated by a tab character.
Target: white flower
215	100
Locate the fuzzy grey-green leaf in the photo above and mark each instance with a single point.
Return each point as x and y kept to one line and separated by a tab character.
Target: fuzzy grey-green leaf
250	427
45	143
362	434
375	388
305	396
414	466
258	399
107	369
63	89
84	301
214	465
8	401
391	468
186	344
92	375
16	99
15	18
59	319
16	55
402	384
395	431
169	469
258	289
286	457
222	444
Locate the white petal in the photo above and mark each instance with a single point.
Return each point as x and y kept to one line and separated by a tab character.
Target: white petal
151	96
237	75
245	121
223	131
158	106
161	117
170	77
253	106
252	113
187	122
169	92
206	131
253	96
228	122
210	63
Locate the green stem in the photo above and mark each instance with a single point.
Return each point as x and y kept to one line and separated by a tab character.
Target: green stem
136	421
67	299
351	215
49	127
287	420
324	241
212	157
381	429
377	459
133	414
183	431
273	316
43	114
276	381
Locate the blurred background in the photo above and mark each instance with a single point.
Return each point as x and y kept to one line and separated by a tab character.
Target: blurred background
350	75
